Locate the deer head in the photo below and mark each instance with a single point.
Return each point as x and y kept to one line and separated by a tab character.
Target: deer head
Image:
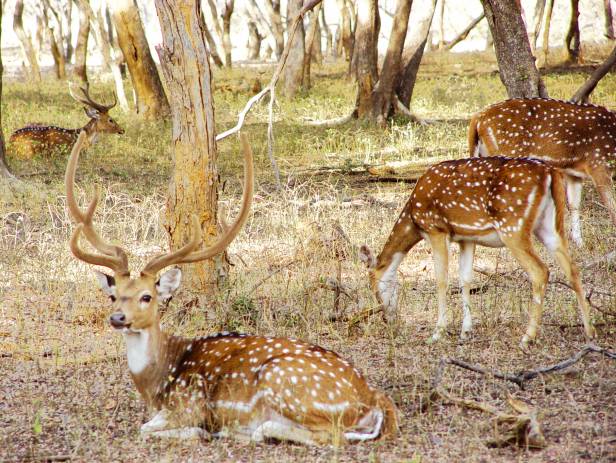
135	300
101	121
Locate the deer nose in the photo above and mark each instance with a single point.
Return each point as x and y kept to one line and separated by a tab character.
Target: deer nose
117	320
121	131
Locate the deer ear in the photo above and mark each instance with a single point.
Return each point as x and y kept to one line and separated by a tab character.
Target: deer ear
92	113
366	256
168	283
107	283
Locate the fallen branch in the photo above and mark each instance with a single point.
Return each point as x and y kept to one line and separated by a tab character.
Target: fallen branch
336	121
521	378
407	112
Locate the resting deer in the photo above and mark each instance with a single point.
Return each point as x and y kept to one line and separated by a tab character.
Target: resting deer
251	387
35	139
580	138
492	202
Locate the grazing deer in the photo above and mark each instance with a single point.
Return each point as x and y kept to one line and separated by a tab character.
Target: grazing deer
250	387
492	202
579	138
35	139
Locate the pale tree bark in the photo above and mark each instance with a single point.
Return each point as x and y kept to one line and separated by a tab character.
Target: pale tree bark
272	9
413	53
365	55
68	14
609	19
226	30
4	169
310	44
254	41
515	60
293	73
329	48
53	24
111	59
537	19
80	73
317	49
265	28
583	93
572	39
151	100
26	41
383	95
194	184
441	25
214	31
546	31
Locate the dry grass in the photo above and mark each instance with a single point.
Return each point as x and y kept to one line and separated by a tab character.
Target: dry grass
66	391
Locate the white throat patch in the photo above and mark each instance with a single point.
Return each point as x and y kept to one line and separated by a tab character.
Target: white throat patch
137	350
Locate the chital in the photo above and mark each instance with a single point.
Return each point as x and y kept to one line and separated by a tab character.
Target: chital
492	202
229	384
579	138
35	139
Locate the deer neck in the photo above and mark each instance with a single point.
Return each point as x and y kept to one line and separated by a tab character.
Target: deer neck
153	356
90	130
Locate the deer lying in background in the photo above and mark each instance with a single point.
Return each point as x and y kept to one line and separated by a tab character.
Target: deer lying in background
251	387
579	138
492	202
36	139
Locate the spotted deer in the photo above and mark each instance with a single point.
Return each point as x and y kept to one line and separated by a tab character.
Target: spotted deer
494	202
37	139
579	138
229	384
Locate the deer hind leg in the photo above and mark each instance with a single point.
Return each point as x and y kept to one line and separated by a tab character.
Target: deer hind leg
280	428
522	249
602	179
467	255
546	232
161	426
440	254
574	198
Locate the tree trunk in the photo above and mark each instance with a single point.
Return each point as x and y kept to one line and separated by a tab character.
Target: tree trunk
537	17
365	55
345	41
609	19
317	50
254	41
583	93
515	60
441	25
194	184
572	39
4	169
81	50
226	30
112	62
273	11
383	96
151	100
413	53
546	31
26	41
293	72
310	44
329	48
69	31
265	28
53	24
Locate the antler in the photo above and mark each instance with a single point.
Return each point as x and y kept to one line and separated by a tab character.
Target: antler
84	98
112	256
185	255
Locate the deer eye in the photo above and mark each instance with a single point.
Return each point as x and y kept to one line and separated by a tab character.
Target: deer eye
146	298
112	298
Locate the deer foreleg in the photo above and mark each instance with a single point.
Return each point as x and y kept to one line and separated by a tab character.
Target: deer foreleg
440	254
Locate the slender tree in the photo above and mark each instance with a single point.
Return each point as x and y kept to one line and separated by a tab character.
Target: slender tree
226	13
52	21
26	41
546	31
515	59
194	183
81	49
311	38
572	39
293	72
364	60
254	40
609	19
151	100
272	9
537	18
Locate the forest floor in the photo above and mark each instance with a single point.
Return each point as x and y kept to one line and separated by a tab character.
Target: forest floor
65	390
